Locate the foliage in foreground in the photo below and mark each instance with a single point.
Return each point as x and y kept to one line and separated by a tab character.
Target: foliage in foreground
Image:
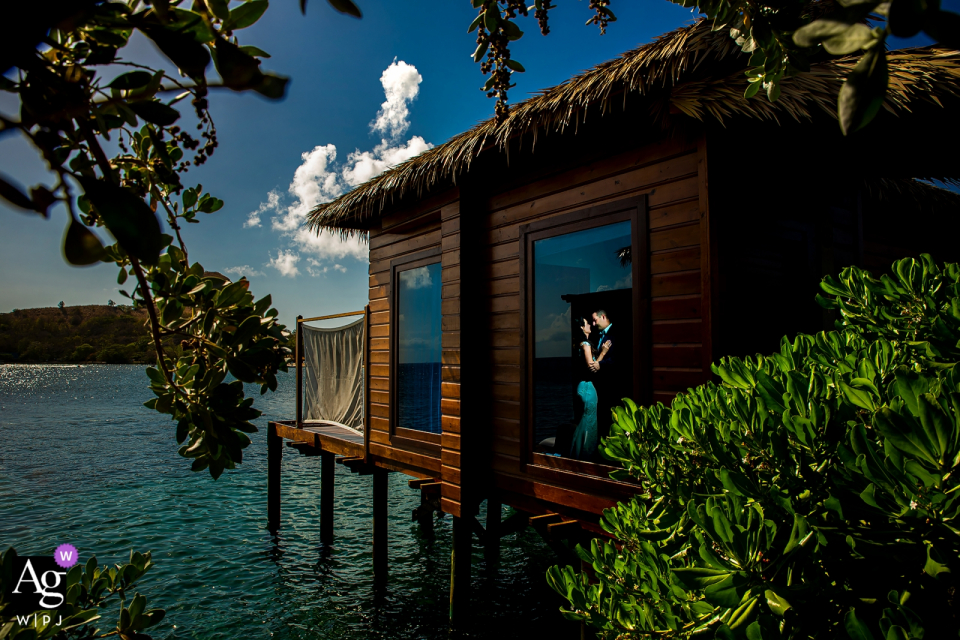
90	590
812	494
781	37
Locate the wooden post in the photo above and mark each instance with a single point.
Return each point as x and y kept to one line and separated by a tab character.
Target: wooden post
299	356
274	458
492	537
366	383
327	464
460	561
379	524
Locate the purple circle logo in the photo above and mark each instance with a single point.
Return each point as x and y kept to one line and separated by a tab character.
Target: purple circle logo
66	556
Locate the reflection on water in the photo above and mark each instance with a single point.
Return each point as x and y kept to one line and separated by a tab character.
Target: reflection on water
81	461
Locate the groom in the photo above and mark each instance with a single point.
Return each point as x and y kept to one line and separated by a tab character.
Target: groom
605	372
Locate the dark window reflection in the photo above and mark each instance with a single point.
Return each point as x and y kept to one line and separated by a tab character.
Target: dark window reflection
418	348
583	323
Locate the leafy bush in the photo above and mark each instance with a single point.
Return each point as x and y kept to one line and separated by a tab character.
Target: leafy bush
82	352
811	494
116	354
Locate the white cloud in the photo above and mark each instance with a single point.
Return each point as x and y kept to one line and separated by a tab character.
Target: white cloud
418	278
401	84
253	218
317	269
244	270
320	179
286	263
362	166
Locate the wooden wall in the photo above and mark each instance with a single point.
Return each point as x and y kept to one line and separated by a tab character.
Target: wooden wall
673	175
401	234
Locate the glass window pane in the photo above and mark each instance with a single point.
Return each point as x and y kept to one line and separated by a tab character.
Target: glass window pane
583	323
418	348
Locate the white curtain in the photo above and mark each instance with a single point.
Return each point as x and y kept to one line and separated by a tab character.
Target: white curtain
333	374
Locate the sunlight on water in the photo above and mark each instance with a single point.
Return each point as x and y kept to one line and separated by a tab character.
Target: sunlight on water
83	462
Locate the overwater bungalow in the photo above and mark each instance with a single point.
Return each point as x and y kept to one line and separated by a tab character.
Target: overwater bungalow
645	200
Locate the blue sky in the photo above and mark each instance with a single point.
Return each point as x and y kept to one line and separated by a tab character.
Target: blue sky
335	95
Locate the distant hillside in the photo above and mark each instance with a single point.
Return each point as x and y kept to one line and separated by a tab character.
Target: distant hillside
89	333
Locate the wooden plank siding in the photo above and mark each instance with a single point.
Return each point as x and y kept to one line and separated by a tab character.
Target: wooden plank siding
450	476
407	234
671	174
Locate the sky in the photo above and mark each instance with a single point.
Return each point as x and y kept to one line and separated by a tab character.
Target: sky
364	95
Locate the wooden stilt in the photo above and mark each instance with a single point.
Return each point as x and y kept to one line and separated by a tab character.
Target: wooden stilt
379	524
460	561
327	464
492	538
274	459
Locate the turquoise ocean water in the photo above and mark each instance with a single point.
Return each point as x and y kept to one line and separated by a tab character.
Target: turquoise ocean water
81	461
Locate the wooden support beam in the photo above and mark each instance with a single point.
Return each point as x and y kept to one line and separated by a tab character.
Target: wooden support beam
460	561
430	488
569	530
379	524
492	540
304	448
356	465
544	520
274	460
326	497
416	483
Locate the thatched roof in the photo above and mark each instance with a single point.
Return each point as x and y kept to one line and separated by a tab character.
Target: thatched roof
693	71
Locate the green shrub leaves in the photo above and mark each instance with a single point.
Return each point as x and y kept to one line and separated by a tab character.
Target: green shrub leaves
807	489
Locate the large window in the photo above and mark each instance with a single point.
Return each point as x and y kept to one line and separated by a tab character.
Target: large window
417	344
583	315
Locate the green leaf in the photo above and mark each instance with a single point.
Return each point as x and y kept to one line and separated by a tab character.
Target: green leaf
238	70
861	96
256	52
155	112
728	592
127	217
245	15
270	86
778	605
516	66
481	50
933	568
903	435
15	196
191	57
699	577
855	628
131	80
81	246
347	7
220	9
858	397
857	36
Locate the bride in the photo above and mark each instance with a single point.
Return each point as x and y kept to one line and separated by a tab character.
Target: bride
584	442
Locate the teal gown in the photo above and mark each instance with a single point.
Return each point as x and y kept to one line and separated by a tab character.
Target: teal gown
584	443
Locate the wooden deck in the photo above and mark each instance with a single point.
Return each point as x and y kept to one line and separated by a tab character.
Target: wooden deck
322	435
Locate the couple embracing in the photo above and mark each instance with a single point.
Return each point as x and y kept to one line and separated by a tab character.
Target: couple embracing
595	376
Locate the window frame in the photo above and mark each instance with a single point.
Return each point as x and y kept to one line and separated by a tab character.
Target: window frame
634	210
422	441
